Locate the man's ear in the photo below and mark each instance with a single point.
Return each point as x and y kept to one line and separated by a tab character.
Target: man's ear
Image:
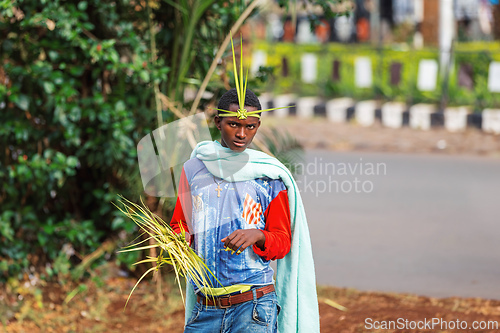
258	124
217	121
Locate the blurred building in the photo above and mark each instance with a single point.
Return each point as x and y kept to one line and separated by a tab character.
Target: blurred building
387	21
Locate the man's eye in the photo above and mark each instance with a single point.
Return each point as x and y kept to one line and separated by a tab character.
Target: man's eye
232	124
251	127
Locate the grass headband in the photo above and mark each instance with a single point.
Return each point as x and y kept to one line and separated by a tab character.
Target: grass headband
241	89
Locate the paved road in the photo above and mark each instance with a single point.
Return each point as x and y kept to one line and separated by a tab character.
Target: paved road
421	224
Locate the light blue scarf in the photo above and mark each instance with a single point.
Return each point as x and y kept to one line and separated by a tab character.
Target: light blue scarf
295	278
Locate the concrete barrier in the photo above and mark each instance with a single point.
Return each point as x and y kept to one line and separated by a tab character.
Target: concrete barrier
420	116
455	118
336	109
491	121
283	100
392	114
266	102
365	112
305	106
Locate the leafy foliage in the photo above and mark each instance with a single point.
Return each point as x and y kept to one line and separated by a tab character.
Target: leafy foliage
477	55
75	103
80	85
76	95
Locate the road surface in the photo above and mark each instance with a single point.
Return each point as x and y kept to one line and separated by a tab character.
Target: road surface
424	224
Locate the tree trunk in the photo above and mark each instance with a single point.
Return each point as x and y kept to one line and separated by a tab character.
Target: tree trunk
496	22
430	24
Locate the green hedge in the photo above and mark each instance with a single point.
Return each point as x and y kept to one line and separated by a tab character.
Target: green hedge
71	116
479	54
79	97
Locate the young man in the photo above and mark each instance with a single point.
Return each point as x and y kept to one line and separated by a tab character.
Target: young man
234	203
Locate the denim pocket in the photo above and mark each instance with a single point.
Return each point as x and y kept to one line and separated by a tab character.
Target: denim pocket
265	309
194	314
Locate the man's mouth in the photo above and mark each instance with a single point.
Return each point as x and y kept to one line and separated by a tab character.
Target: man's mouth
239	144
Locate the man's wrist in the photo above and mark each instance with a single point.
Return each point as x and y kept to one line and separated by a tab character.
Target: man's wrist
261	243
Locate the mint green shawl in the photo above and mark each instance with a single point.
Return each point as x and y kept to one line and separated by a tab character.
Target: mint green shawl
295	278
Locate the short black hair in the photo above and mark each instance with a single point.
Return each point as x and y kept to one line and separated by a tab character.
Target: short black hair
231	97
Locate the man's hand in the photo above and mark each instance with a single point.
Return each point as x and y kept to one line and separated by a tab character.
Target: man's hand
187	237
240	239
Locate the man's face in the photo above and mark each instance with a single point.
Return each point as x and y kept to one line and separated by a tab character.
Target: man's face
237	134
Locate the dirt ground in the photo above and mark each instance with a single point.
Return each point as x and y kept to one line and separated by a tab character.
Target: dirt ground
318	133
98	306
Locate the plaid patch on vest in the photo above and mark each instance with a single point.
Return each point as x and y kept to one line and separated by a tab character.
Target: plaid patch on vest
251	210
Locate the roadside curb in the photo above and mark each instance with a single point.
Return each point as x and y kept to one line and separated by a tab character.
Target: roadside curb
389	114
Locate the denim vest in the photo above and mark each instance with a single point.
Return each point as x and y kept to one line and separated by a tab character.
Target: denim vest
240	205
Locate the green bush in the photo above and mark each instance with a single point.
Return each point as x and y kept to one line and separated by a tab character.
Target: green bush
478	54
346	86
76	104
80	83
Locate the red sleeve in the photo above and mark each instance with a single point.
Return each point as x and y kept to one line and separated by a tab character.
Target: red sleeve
178	218
277	231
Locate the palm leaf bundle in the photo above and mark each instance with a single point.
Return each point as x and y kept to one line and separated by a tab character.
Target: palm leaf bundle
174	249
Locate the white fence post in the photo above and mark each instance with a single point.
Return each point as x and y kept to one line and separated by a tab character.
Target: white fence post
259	58
494	77
309	67
427	75
363	72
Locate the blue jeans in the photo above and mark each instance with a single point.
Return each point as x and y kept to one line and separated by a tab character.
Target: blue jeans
257	315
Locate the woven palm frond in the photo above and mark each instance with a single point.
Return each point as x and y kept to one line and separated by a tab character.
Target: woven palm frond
174	249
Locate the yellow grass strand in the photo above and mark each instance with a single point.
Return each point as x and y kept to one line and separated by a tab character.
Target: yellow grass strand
243	90
145	261
235	72
139	248
137	283
139	242
334	304
177	278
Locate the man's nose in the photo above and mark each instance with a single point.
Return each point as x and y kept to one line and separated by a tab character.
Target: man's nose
240	133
